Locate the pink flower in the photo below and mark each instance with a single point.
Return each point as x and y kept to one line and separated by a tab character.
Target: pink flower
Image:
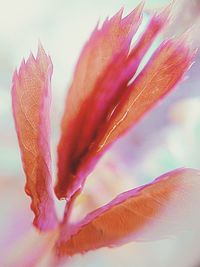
108	96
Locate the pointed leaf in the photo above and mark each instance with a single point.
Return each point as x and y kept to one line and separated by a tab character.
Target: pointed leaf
101	96
166	206
31	98
164	70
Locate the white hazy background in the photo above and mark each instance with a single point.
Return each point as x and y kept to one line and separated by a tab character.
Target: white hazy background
63	26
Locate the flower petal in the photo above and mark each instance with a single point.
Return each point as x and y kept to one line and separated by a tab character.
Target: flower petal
103	90
157	210
31	98
164	70
160	75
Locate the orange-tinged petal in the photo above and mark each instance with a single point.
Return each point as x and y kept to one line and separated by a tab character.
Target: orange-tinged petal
102	92
113	106
164	70
31	96
103	47
111	86
154	211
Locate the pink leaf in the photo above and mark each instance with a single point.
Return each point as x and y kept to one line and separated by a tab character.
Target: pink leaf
111	106
31	96
163	71
154	211
96	90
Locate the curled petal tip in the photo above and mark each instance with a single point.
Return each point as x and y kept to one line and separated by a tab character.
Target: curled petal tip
137	13
121	11
187	38
32	56
119	14
184	42
31	60
41	54
40	47
114	19
164	15
140	7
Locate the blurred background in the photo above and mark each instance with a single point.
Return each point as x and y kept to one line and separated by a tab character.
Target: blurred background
167	138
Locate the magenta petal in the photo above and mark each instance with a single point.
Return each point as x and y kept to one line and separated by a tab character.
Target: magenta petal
104	48
155	211
109	106
31	97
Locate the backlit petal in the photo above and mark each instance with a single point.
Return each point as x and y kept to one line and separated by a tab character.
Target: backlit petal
31	98
101	89
157	210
